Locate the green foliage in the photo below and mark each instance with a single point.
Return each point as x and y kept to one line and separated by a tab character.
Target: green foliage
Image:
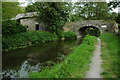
30	8
75	65
59	33
92	32
118	18
114	4
27	39
89	39
69	35
10	10
54	14
112	16
75	18
10	27
110	56
92	10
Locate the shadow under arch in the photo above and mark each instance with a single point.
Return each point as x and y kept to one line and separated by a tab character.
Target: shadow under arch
91	30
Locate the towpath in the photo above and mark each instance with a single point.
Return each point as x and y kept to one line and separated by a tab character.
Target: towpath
95	66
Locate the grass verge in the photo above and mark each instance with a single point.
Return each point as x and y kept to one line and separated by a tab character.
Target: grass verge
30	38
26	39
75	64
110	56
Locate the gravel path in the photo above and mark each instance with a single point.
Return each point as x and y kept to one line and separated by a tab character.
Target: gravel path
95	66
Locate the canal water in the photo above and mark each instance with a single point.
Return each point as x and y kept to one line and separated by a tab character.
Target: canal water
19	62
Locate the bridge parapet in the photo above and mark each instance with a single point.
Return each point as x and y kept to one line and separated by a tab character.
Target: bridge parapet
100	24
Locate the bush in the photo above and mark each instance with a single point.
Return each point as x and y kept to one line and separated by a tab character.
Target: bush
59	33
75	65
89	39
10	27
27	39
69	35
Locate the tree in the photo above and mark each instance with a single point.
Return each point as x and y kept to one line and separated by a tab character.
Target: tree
11	27
112	16
10	10
114	4
101	11
54	14
30	8
93	10
117	19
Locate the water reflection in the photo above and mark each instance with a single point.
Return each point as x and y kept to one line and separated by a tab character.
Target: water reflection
18	63
23	72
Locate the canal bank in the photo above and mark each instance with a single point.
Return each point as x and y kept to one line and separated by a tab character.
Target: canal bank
31	38
75	64
41	55
110	55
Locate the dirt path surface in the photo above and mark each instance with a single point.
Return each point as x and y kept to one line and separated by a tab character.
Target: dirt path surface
95	66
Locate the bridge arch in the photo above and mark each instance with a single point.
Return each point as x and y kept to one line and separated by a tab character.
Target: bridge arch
79	27
92	30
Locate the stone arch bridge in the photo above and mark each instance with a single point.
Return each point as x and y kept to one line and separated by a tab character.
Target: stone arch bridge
80	26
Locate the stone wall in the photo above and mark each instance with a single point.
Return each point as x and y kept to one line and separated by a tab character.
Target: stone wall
31	24
75	26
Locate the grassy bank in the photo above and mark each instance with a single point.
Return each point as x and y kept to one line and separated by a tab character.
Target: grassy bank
110	56
75	64
28	38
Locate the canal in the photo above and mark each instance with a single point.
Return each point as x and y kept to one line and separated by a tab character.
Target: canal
19	62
